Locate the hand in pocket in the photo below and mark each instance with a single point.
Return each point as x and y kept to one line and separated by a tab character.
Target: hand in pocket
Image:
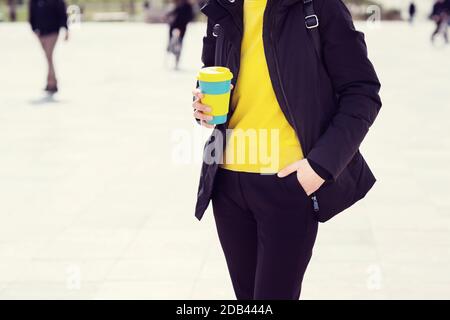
309	180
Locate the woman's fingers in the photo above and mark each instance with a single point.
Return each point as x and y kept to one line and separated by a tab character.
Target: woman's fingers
197	93
201	107
201	116
289	169
197	105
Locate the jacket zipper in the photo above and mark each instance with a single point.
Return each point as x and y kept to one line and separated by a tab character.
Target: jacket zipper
314	200
280	81
315	203
219	45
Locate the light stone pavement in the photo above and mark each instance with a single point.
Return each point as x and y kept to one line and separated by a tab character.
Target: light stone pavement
94	205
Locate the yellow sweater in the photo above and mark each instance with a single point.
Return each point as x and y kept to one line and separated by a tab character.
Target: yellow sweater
262	141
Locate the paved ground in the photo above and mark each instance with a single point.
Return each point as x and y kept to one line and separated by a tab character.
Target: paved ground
93	205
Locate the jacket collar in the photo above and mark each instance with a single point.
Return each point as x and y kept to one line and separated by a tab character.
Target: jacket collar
234	3
217	9
288	3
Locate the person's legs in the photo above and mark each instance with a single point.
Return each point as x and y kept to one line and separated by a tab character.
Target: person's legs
237	232
436	31
169	43
445	30
182	33
267	230
179	44
286	231
48	44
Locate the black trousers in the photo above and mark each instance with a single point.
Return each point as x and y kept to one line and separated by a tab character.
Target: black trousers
267	229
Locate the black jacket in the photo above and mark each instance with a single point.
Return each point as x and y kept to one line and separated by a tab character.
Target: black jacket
47	16
329	98
440	7
412	9
181	16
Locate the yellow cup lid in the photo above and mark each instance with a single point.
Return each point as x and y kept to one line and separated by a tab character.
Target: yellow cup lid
214	74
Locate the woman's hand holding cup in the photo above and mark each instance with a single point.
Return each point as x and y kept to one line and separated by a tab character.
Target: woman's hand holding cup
201	110
212	97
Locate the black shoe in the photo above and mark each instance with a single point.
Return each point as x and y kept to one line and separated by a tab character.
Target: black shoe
51	89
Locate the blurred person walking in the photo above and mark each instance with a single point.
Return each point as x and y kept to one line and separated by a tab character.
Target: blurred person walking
412	12
12	5
178	20
146	7
440	15
47	17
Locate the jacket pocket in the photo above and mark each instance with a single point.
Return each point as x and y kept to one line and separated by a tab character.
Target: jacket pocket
335	196
295	185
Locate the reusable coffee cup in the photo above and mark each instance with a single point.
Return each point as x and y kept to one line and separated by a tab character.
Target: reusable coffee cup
215	84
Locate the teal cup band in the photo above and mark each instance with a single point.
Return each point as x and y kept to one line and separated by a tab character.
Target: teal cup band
215	88
219	119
